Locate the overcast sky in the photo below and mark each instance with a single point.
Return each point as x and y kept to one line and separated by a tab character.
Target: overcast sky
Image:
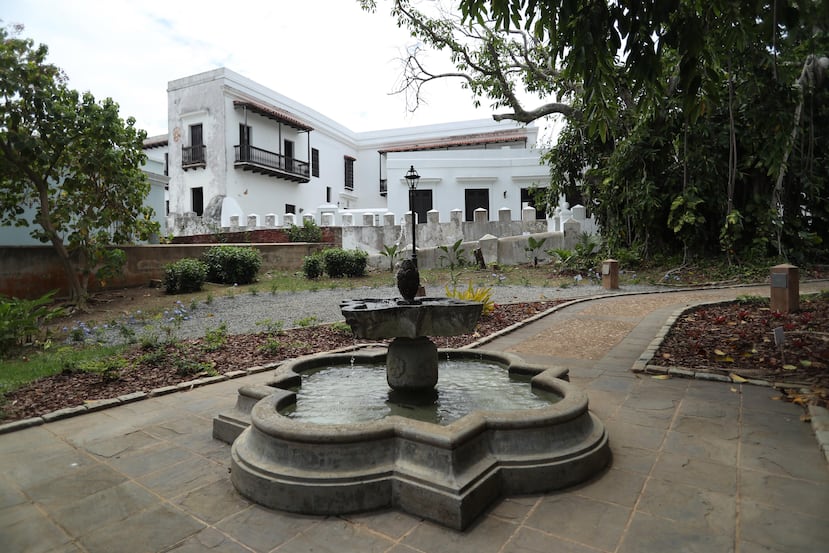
327	54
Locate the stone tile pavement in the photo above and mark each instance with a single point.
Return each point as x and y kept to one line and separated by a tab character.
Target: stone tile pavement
697	466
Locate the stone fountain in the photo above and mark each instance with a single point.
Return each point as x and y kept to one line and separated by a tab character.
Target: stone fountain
446	472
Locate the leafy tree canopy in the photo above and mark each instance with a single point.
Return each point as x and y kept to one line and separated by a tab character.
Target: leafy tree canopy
73	160
691	126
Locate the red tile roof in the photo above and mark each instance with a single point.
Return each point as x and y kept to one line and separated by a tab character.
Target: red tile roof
481	139
274	113
155	142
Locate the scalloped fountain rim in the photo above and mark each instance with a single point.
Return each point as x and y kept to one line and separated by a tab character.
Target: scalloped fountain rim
445	473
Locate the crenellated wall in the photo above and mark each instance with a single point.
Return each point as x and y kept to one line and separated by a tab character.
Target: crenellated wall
30	271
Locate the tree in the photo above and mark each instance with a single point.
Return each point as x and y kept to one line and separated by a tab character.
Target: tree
737	172
683	129
504	66
73	160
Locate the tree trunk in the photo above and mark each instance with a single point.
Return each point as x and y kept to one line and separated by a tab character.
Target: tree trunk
77	292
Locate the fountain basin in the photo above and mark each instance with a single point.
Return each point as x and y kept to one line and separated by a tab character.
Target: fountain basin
446	473
376	319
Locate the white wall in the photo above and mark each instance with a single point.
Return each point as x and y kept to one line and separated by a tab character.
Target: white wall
449	173
208	98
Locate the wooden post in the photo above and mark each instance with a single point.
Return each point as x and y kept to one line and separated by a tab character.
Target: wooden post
785	288
610	274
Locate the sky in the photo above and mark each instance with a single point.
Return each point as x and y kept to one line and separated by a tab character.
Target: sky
327	54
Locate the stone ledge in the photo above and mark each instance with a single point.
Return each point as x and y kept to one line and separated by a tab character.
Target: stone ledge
100	404
22	424
164	390
135	396
64	413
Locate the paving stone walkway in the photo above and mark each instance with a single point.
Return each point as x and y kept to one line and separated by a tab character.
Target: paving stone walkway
697	466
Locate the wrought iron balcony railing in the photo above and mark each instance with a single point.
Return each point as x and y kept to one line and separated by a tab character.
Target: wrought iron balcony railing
251	158
193	156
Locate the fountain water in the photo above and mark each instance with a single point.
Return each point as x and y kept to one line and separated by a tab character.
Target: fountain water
448	472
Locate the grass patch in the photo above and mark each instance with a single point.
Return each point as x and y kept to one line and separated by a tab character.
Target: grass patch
20	371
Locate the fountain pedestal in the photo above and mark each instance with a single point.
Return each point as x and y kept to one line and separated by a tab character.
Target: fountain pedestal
412	364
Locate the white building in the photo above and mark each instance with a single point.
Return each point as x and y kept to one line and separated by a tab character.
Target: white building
236	148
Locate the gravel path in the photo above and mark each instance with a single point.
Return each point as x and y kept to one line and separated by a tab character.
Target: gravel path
242	312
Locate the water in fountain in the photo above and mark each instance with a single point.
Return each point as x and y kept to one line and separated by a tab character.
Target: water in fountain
464	385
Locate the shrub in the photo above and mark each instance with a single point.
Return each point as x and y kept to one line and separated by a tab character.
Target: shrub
334	260
312	266
21	319
339	262
356	261
232	264
184	275
308	232
483	295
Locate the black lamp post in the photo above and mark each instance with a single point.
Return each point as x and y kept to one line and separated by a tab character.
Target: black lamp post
412	177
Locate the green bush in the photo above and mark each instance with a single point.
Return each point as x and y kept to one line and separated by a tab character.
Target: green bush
308	232
184	275
232	264
356	263
339	262
22	319
312	266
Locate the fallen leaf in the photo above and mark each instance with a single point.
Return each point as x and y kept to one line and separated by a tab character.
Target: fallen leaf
719	352
735	390
661	376
805	362
789	367
737	378
666	356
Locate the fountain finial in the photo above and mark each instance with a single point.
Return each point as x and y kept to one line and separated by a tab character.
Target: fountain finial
408	280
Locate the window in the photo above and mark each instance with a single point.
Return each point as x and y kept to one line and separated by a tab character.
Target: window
193	155
328	194
315	162
290	208
422	203
196	136
476	198
197	197
534	197
244	142
349	173
288	148
166	164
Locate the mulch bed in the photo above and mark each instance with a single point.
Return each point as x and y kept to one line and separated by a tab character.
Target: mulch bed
166	365
737	339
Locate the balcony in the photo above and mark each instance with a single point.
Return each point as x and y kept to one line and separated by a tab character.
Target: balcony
192	157
251	158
